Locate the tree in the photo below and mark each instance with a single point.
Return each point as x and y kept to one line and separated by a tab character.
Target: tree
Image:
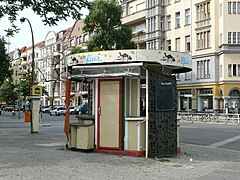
50	11
26	83
78	49
8	92
5	71
104	22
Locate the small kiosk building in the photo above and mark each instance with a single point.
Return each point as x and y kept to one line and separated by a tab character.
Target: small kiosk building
131	99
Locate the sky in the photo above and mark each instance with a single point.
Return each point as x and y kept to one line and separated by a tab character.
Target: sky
24	38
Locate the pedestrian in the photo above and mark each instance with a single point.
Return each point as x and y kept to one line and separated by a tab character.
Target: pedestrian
13	114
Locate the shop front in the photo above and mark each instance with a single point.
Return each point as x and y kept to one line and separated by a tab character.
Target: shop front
133	100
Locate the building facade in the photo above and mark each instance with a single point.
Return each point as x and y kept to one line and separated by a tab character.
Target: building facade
78	38
205	30
52	67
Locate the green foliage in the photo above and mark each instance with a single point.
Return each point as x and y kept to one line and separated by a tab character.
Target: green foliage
26	84
5	71
78	49
50	11
104	22
8	92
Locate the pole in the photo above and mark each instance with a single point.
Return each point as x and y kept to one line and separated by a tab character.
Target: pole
19	103
33	63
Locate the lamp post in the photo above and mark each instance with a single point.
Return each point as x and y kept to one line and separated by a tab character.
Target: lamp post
33	63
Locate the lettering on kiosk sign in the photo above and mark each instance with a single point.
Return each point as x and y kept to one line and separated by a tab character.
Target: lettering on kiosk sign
93	59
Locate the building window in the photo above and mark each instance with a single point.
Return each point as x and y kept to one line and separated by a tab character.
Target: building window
229	70
203	40
162	24
234	4
187	17
229	7
72	42
238	37
154	24
229	37
169	22
177	19
198	69
203	69
188	43
140	27
177	44
188	76
169	45
238	7
238	69
234	70
203	11
234	37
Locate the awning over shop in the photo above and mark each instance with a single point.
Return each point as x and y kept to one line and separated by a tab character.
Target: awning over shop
106	70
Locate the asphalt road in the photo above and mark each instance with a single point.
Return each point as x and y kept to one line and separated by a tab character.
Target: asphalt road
203	134
50	124
211	135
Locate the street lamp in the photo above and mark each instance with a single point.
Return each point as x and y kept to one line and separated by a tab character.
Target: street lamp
33	63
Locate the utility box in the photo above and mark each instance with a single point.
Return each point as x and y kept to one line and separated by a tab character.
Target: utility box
81	133
85	137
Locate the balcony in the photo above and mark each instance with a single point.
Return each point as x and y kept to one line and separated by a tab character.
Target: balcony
134	18
203	24
56	53
139	37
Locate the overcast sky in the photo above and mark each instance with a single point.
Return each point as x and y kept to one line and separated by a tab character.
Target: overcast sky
23	38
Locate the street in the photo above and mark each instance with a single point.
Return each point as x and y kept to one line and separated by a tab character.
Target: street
204	134
50	124
211	135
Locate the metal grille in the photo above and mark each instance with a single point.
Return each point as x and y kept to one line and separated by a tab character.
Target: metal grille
162	124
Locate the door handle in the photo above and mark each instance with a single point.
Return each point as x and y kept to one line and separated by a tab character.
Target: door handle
99	110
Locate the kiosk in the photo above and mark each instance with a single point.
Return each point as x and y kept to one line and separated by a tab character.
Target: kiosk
133	99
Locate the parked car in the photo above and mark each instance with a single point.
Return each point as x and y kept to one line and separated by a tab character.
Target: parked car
81	109
57	111
10	108
71	110
46	109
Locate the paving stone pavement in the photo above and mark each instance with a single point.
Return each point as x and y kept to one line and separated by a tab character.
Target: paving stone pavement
44	156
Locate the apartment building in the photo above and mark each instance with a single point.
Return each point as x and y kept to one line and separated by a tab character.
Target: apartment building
78	38
51	67
207	30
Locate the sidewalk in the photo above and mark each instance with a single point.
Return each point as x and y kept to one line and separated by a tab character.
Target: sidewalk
44	156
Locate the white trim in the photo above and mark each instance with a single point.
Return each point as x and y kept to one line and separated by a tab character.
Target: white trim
125	114
130	97
147	113
90	66
138	100
96	110
138	136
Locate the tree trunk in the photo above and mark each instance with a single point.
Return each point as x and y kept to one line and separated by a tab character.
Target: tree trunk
53	92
